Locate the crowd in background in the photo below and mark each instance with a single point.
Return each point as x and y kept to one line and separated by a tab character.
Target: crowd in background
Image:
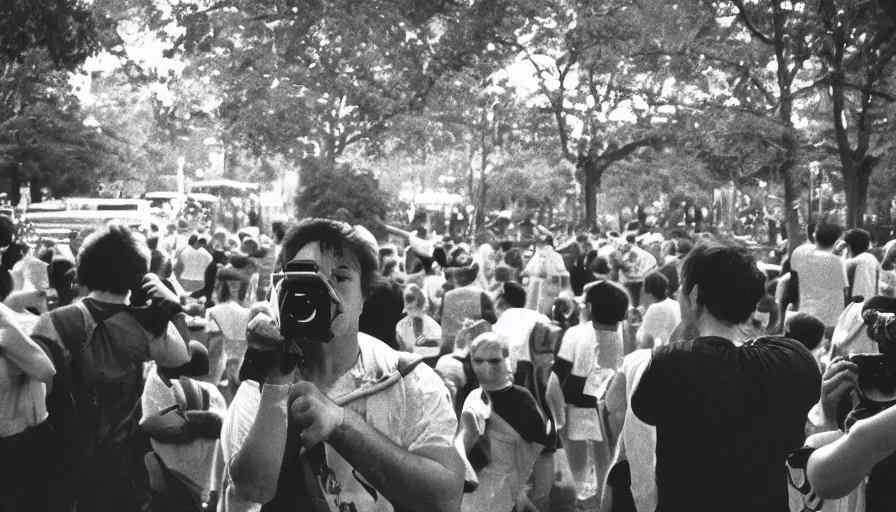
669	371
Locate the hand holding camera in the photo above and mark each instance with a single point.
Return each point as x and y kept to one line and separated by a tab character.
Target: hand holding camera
314	412
840	379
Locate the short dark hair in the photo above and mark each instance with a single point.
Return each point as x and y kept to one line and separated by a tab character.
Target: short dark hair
657	285
600	265
684	246
806	329
193	239
514	294
336	237
858	241
112	260
826	234
670	272
278	230
730	284
609	303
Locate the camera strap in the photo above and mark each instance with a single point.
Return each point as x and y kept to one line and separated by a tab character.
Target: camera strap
406	364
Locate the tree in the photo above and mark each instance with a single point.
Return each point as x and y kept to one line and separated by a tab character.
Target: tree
313	78
603	81
64	29
326	190
859	56
764	49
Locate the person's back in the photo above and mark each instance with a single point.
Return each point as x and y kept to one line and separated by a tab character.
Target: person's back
822	276
864	271
727	413
726	419
660	320
459	304
195	260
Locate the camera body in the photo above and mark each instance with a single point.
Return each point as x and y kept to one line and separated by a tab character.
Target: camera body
878	371
304	302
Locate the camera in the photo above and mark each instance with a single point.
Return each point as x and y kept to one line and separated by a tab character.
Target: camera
304	302
878	371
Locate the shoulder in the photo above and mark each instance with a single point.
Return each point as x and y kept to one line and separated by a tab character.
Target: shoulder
432	324
784	351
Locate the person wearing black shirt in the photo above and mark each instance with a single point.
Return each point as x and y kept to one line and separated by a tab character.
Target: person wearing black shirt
502	429
727	411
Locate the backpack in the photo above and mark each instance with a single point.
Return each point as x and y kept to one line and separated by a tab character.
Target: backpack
543	343
105	370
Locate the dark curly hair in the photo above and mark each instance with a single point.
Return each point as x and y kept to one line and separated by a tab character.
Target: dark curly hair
112	260
729	282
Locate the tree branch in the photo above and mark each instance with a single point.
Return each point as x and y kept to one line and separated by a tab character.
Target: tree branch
742	14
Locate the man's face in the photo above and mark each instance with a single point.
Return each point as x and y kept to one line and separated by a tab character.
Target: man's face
490	365
344	275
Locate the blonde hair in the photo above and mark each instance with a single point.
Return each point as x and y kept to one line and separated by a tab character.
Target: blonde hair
490	339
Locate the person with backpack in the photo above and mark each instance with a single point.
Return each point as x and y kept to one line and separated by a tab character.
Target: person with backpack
502	430
349	422
99	346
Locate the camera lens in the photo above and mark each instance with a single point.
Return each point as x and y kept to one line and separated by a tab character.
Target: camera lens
301	307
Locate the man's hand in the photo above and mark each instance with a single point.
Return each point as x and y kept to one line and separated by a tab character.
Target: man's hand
316	413
155	289
838	381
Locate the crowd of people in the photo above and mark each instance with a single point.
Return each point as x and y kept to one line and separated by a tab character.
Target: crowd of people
318	368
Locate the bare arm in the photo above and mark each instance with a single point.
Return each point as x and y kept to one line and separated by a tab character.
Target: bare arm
835	470
436	474
617	406
24	352
255	467
556	401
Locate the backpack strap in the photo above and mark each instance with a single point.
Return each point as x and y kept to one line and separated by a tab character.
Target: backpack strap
406	364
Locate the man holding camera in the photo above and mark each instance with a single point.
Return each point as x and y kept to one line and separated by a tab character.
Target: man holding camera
855	422
341	421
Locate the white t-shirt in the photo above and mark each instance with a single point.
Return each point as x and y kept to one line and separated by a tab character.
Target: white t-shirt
414	413
638	439
516	326
864	281
822	278
660	320
30	273
195	262
593	361
420	345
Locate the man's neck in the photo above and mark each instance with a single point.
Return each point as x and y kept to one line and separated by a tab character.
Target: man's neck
326	362
709	326
824	249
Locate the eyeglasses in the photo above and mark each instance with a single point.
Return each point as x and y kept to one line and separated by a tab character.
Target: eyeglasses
494	362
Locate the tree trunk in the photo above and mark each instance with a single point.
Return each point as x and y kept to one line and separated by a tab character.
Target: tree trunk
592	174
35	187
15	185
855	183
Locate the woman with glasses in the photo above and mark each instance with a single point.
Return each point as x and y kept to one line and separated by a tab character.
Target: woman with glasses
502	430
